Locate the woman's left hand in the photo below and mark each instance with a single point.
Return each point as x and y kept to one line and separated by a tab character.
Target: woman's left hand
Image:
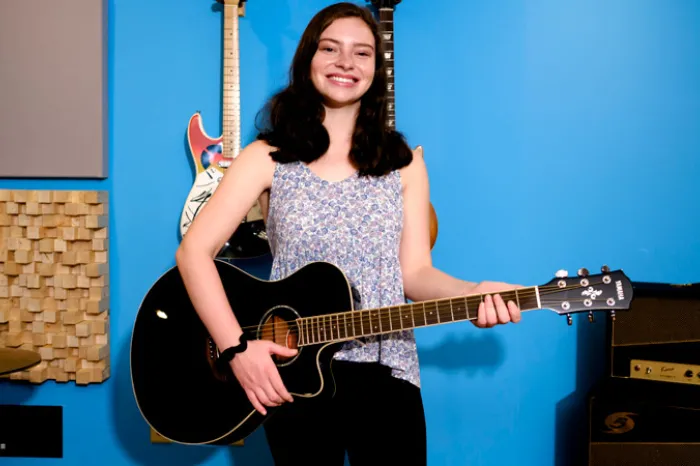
493	310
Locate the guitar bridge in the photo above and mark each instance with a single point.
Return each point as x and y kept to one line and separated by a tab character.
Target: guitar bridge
212	358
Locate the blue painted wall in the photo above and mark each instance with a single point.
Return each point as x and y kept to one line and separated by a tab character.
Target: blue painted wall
557	135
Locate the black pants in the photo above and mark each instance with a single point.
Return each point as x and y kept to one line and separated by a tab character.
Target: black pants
378	419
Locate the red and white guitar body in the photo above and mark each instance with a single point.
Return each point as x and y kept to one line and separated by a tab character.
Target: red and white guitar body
209	162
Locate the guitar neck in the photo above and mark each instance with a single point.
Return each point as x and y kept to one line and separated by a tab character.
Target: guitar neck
368	322
231	106
386	30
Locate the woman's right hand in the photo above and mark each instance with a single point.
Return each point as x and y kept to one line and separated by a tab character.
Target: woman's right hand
258	374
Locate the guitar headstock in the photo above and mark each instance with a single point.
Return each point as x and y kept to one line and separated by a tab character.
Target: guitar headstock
231	3
385	3
241	3
607	291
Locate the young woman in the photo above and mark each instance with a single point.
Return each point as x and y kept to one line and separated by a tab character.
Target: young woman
336	186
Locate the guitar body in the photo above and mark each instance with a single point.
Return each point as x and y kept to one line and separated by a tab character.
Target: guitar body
178	388
433	215
209	163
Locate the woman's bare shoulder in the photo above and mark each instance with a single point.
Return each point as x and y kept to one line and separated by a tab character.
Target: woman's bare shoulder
414	171
255	158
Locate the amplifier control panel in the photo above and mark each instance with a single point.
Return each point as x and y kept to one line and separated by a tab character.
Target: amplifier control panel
665	371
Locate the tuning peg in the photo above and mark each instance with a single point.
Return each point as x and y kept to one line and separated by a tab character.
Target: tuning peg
569	321
605	269
583	272
591	318
562	273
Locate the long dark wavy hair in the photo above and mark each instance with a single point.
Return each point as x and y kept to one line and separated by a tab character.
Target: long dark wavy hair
292	118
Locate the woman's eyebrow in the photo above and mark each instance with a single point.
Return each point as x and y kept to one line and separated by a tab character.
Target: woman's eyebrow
359	44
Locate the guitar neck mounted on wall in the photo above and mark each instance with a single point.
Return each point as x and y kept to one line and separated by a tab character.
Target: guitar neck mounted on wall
385	15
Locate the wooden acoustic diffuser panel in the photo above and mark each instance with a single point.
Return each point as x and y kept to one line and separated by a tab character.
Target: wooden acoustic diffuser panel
54	282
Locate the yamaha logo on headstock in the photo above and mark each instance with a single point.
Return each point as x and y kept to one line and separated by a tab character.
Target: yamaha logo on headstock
620	290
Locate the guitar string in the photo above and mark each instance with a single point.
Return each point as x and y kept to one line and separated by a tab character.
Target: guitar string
316	322
321	329
443	307
319	332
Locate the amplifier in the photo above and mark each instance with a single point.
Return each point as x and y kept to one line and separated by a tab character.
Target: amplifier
659	337
640	423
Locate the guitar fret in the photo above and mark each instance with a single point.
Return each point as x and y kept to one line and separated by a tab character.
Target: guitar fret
329	327
366	324
431	314
459	309
474	302
300	324
417	313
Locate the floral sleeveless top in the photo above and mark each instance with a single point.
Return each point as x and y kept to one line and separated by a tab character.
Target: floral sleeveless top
356	225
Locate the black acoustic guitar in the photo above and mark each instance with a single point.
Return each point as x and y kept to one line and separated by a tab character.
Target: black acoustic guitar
186	398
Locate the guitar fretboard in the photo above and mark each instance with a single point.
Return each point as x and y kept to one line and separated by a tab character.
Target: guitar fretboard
386	28
367	322
231	80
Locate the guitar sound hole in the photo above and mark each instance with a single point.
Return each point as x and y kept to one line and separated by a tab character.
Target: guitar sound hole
280	326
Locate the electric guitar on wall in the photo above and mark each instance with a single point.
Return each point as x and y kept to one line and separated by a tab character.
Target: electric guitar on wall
385	9
186	397
212	156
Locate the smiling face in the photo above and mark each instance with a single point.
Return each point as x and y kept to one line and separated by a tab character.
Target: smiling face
343	67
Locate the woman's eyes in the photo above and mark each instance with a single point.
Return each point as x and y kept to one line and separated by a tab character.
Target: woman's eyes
362	53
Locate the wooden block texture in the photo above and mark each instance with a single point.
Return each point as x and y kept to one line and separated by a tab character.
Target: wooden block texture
54	283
